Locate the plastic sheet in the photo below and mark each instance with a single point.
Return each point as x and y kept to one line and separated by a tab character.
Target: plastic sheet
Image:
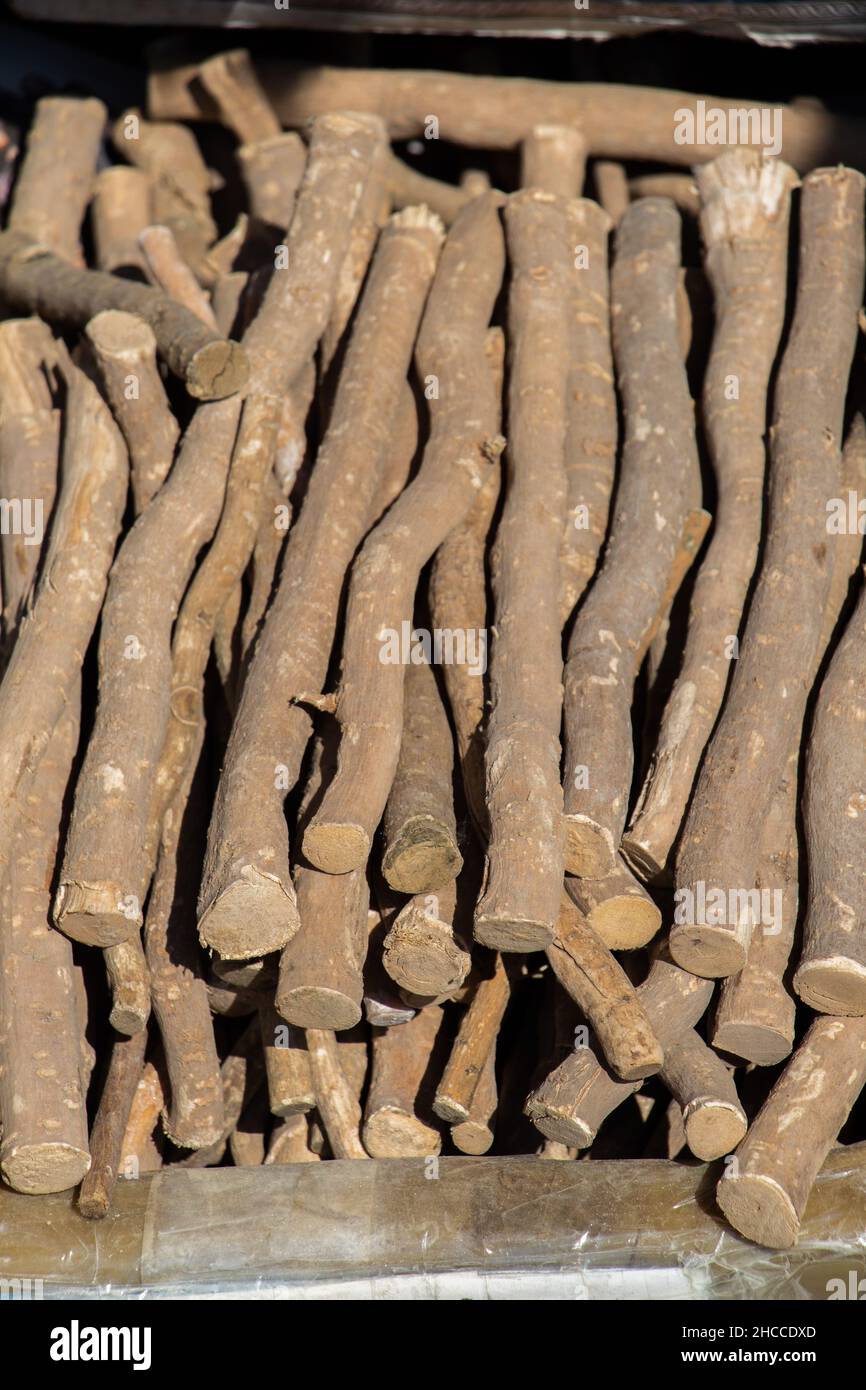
420	1229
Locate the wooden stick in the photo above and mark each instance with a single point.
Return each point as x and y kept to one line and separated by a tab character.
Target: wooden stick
397	1116
338	1107
520	901
122	207
247	861
384	1007
290	1142
420	853
680	188
242	1074
659	459
230	79
744	218
272	170
602	990
612	189
618	122
408	188
767	696
44	1142
34	280
553	158
369	703
475	1135
106	1137
764	1193
702	1084
55	179
420	951
139	1152
171	273
125	350
291	1082
180	178
371	214
618	908
129	982
475	1039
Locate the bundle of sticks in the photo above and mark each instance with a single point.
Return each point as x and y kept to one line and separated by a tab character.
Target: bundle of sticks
417	649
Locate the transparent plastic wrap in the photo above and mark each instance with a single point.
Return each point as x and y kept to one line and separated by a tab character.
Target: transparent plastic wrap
452	1228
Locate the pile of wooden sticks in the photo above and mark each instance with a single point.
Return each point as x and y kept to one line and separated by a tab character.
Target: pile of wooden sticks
430	665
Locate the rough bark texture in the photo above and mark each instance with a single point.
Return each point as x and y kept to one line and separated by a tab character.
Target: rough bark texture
291	1085
519	905
701	1083
398	1121
769	687
476	1037
764	1193
246	866
475	1134
658	462
369	702
121	209
420	951
336	1103
56	177
129	982
106	1137
272	170
618	908
745	205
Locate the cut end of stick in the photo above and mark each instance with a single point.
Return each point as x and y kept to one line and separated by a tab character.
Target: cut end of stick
96	914
471	1137
564	1128
128	1018
625	923
423	857
754	1042
714	1128
335	848
833	985
422	957
760	1209
314	1006
711	952
649	861
43	1168
589	848
116	333
393	1133
217	370
513	933
252	916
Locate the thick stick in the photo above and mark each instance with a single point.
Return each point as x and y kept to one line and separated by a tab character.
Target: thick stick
246	899
272	170
618	908
42	1100
767	695
171	273
125	351
181	180
420	952
479	1027
34	280
56	177
370	701
230	79
397	1116
420	853
764	1193
336	1103
109	1127
121	209
291	1084
553	158
702	1084
129	982
744	219
658	463
519	905
600	987
475	1135
618	122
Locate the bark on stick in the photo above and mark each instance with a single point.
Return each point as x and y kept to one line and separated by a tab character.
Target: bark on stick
658	463
767	696
291	1085
230	79
612	189
129	982
272	170
477	1034
121	209
744	219
618	908
553	158
181	181
765	1193
475	1134
369	702
420	951
171	273
703	1086
56	177
397	1115
106	1138
335	1101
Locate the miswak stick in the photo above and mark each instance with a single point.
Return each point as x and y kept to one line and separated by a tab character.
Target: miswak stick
767	694
129	982
659	459
744	219
703	1086
267	550
243	1075
230	79
578	1095
682	189
29	445
291	1083
106	1138
618	908
55	180
764	1192
475	1134
290	1142
618	121
156	560
458	601
122	207
44	1144
272	170
383	1005
34	280
420	829
369	703
139	1151
257	975
476	1037
612	188
553	158
397	1116
180	178
337	1105
41	678
171	273
407	188
474	182
519	904
125	350
421	953
371	214
247	1142
247	859
600	987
